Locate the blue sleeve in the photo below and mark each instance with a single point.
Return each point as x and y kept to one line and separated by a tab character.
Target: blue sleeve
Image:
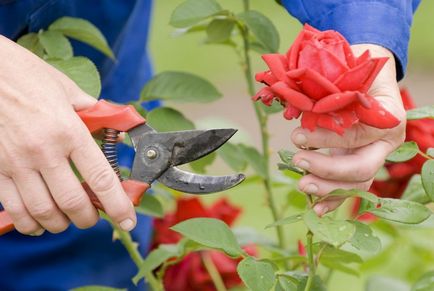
383	22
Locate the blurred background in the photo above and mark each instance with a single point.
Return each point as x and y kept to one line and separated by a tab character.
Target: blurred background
220	65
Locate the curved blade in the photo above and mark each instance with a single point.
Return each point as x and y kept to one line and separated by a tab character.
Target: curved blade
198	184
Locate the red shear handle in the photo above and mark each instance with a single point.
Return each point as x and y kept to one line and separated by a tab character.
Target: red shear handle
107	115
134	190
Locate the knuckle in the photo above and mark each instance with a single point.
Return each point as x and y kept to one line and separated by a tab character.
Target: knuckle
87	223
102	181
27	228
72	200
43	212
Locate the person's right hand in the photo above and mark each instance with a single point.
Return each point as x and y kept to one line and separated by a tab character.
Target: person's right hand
40	134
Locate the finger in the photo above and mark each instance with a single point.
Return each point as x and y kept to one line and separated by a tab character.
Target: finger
69	195
357	136
358	166
39	202
328	205
80	100
314	185
14	206
103	181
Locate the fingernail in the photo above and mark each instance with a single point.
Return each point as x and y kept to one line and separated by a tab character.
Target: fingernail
311	189
127	224
303	164
300	139
38	233
320	209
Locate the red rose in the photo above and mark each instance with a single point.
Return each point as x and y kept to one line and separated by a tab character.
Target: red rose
420	131
320	78
190	274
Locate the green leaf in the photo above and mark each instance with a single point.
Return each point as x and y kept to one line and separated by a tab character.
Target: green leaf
401	211
97	288
257	275
424	283
404	153
84	31
82	71
430	152
194	28
334	232
165	119
180	86
363	238
262	28
382	174
261	49
233	156
376	283
286	157
415	191
31	42
155	258
220	30
428	178
191	12
338	266
285	284
254	159
199	166
421	112
287	220
56	45
212	233
317	284
275	107
355	193
150	205
249	235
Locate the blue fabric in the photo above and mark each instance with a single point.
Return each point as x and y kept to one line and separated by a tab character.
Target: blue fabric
83	257
383	22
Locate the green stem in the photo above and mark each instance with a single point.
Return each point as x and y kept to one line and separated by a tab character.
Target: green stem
425	155
311	261
263	122
213	272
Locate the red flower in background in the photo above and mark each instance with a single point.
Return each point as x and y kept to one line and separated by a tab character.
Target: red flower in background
190	274
420	131
320	78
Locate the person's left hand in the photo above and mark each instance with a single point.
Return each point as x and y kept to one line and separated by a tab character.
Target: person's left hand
355	157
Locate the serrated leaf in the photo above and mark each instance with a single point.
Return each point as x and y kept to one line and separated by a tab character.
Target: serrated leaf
56	45
97	288
84	31
233	156
199	166
254	159
155	258
191	12
165	119
424	283
376	283
180	86
257	275
401	211
428	178
364	239
262	28
421	112
212	233
82	71
150	205
404	153
219	30
31	42
415	191
287	220
334	232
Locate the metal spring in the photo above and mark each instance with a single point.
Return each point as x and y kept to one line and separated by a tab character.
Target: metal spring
108	147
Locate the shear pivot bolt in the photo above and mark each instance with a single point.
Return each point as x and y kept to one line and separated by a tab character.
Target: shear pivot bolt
151	154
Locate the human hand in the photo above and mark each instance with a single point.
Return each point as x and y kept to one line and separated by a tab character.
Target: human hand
355	157
41	134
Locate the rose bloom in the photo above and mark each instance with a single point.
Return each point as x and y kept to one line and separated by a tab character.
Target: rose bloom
420	131
320	79
190	274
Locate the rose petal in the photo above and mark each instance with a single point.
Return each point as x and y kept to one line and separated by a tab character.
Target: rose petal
293	97
309	57
334	102
189	208
379	64
291	112
363	57
377	116
309	120
346	117
363	99
312	83
265	95
266	78
355	78
329	122
332	67
406	99
278	65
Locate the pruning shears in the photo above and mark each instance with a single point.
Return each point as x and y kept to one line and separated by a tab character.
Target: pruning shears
157	154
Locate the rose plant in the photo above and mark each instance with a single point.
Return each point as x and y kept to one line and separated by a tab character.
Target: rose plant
320	80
